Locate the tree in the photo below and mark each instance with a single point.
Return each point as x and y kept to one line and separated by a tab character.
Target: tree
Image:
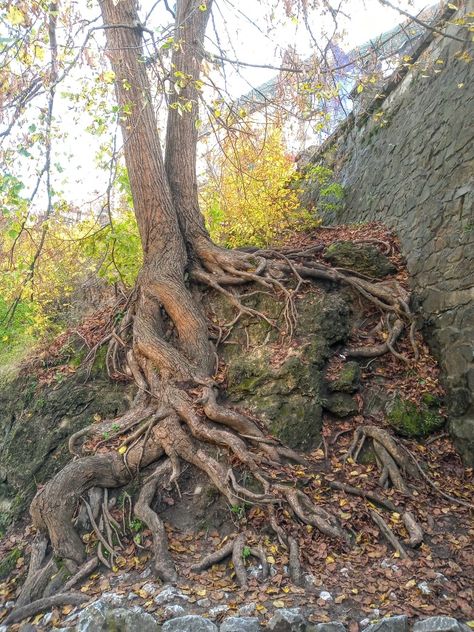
163	340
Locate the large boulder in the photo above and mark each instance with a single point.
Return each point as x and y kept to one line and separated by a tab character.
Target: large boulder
285	384
414	421
363	258
104	616
35	422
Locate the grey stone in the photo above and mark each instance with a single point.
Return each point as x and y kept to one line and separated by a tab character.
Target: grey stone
438	624
189	623
173	610
390	624
170	593
204	603
103	617
247	609
341	404
363	258
241	624
331	626
217	610
287	620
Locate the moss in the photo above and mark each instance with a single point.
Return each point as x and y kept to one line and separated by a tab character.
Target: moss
341	404
9	562
410	420
348	379
363	258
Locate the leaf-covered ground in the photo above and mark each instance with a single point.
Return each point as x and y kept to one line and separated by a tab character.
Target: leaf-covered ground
368	576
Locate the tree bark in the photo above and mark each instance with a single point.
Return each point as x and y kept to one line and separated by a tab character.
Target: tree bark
162	280
182	129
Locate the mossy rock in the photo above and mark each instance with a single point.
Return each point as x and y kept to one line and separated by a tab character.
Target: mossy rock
35	423
410	420
341	404
363	258
348	380
288	396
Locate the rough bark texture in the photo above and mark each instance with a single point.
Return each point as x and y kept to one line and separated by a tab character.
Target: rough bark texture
164	342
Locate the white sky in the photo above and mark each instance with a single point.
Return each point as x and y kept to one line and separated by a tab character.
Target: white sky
249	32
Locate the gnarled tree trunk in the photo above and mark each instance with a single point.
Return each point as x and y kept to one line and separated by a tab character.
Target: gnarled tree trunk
163	341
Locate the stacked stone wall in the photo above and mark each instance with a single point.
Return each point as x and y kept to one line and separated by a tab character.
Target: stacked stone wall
409	163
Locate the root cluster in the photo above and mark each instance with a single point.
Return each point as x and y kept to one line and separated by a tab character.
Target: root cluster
177	415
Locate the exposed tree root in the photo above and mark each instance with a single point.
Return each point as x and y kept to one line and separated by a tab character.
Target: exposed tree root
63	599
238	549
177	417
388	534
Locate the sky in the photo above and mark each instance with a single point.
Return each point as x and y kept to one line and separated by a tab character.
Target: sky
253	31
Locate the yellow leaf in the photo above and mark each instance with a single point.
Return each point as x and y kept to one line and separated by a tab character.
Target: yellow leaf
469	623
109	76
279	603
38	618
330	560
270	559
454	8
201	593
260	608
67	609
122	449
410	583
15	16
360	88
39	52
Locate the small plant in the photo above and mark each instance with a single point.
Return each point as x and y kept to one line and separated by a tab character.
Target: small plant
238	510
330	192
115	427
246	552
136	525
106	435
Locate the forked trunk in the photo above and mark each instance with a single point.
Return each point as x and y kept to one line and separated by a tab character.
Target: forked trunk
162	280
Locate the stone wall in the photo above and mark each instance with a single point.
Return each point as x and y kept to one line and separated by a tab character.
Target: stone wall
408	161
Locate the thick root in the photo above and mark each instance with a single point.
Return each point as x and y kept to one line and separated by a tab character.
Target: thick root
162	563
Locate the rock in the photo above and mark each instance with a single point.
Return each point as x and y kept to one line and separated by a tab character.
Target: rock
439	624
410	420
424	588
149	588
189	623
104	617
348	380
247	609
363	258
331	626
169	594
241	624
204	603
325	595
217	610
341	404
287	620
58	412
173	610
390	624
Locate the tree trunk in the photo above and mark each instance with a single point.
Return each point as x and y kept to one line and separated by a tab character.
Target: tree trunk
161	281
182	128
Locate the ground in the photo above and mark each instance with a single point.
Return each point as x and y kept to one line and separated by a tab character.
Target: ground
436	577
